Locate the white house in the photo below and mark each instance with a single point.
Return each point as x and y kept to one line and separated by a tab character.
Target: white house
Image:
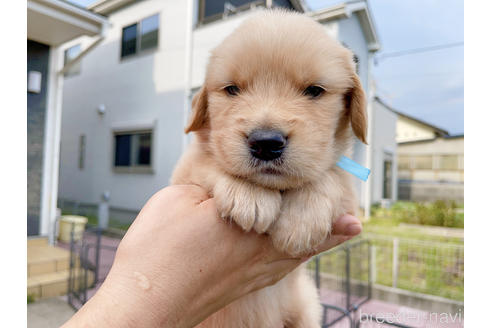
126	104
50	23
384	163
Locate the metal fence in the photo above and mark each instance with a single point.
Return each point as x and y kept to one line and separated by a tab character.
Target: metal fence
343	279
87	271
419	266
346	274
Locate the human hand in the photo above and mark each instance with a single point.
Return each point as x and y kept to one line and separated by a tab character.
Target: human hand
179	263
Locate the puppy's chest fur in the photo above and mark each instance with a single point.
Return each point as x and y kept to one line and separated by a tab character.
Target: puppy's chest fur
297	221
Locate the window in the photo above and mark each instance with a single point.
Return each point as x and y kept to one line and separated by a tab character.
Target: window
149	32
355	58
387	179
82	152
133	151
129	40
403	163
211	10
69	55
449	162
423	162
140	36
356	61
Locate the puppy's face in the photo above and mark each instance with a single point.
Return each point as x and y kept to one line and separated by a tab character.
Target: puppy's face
280	101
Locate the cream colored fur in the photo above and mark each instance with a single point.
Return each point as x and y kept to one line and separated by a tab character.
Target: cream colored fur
272	58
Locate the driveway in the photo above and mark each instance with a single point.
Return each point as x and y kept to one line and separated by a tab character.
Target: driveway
48	313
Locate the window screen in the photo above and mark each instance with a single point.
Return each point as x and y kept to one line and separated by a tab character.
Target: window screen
149	32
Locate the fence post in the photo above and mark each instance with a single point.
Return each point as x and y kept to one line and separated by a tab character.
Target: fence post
347	273
395	262
317	272
373	269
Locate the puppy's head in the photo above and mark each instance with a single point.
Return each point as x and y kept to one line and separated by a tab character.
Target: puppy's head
281	101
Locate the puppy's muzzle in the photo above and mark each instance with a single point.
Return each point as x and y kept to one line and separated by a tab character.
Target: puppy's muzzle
266	145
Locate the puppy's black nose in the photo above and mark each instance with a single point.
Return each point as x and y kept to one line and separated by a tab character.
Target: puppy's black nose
266	144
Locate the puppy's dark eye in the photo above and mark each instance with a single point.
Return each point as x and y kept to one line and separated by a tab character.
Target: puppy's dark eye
313	91
232	90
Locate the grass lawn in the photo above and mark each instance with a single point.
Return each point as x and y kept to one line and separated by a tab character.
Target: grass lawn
391	227
92	220
428	262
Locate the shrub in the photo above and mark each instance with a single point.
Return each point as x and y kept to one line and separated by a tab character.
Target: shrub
439	213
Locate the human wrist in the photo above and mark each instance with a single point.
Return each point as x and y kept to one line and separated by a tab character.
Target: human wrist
124	301
142	301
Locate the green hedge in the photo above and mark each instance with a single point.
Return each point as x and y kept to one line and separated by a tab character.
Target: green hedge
439	213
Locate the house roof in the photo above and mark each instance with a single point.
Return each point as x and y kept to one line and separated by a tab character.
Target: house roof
54	22
439	131
347	9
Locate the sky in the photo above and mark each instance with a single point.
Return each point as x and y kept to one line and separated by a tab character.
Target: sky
427	85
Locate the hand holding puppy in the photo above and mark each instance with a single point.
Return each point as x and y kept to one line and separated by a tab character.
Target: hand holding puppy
179	263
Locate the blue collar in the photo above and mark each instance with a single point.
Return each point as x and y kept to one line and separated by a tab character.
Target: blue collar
354	168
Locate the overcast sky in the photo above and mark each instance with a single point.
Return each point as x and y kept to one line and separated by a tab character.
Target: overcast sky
428	85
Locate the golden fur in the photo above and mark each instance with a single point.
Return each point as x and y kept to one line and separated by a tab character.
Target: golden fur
272	58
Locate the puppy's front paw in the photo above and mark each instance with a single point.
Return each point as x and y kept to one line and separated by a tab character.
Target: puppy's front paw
302	226
250	206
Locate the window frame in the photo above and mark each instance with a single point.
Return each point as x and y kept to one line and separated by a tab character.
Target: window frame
133	169
76	69
138	50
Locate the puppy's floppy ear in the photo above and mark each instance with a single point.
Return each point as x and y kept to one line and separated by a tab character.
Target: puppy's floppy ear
199	115
355	101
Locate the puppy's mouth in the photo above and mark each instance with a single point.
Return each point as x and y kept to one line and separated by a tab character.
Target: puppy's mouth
271	171
268	168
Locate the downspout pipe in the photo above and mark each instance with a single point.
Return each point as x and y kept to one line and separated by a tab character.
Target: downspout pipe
370	131
187	68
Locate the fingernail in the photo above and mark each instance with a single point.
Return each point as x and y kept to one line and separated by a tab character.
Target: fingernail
353	229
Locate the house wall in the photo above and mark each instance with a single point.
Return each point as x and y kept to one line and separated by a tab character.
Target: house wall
384	147
409	130
37	60
349	31
143	90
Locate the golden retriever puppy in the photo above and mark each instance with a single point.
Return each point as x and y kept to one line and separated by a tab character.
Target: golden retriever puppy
280	104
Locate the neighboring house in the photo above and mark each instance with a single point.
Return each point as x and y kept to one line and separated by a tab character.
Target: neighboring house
384	153
50	23
126	105
410	129
430	162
